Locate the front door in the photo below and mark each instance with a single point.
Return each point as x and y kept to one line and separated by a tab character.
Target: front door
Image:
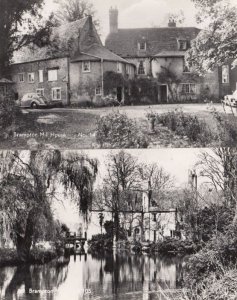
119	93
163	93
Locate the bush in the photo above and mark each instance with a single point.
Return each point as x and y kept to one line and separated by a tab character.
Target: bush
8	113
116	130
170	245
185	125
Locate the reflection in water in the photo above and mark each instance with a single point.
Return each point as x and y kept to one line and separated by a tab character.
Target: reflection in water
110	276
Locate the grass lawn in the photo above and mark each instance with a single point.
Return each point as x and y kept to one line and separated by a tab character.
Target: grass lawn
64	130
75	128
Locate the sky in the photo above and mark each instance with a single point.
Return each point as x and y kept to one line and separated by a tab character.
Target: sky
176	162
138	13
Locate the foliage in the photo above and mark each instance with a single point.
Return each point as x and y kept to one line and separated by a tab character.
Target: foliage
216	44
8	112
142	91
28	188
116	130
73	10
170	78
186	125
112	80
175	246
21	24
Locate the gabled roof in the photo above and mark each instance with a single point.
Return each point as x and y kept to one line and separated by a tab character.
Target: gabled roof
64	33
97	52
125	41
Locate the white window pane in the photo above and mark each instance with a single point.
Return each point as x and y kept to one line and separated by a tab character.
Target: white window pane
52	75
41	76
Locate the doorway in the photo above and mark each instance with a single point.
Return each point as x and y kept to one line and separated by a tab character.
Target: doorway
119	93
163	93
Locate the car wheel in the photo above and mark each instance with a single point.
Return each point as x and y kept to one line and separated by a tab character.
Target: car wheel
34	105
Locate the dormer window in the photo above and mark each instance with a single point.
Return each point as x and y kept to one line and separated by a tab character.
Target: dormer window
183	45
142	46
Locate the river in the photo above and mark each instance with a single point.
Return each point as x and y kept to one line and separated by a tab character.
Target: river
122	277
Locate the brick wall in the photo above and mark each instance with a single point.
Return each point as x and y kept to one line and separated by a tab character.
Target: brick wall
60	64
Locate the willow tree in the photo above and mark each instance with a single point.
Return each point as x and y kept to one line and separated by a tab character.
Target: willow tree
28	187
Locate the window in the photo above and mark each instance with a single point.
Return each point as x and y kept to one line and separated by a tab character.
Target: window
128	69
183	45
40	92
141	68
185	67
86	66
142	45
56	94
31	77
225	74
188	88
21	77
119	67
52	75
3	90
41	76
98	90
154	217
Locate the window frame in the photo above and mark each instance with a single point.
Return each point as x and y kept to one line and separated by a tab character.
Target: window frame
41	75
23	76
100	93
53	80
40	89
144	68
89	66
56	88
28	77
228	74
141	48
189	90
183	42
119	67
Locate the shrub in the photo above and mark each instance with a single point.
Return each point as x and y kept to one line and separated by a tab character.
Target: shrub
185	125
116	130
8	113
170	245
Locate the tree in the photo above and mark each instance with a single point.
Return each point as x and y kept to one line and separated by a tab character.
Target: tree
20	24
28	187
73	10
123	187
216	44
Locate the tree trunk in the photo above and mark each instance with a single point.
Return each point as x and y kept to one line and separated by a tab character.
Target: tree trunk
24	243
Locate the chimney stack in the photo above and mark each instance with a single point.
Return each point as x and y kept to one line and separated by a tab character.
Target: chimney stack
113	20
172	23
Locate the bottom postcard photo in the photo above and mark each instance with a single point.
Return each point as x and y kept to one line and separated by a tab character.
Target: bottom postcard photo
118	224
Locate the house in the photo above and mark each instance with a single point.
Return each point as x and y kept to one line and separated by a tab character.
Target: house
143	220
160	53
72	68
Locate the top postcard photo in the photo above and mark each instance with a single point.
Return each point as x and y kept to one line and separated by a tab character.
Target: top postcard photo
118	74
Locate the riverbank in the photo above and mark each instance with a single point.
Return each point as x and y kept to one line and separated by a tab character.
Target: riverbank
9	257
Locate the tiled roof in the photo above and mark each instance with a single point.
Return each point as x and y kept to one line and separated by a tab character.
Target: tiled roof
170	54
99	52
64	33
125	41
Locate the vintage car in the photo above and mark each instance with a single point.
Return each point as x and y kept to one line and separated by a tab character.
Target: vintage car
33	100
230	100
